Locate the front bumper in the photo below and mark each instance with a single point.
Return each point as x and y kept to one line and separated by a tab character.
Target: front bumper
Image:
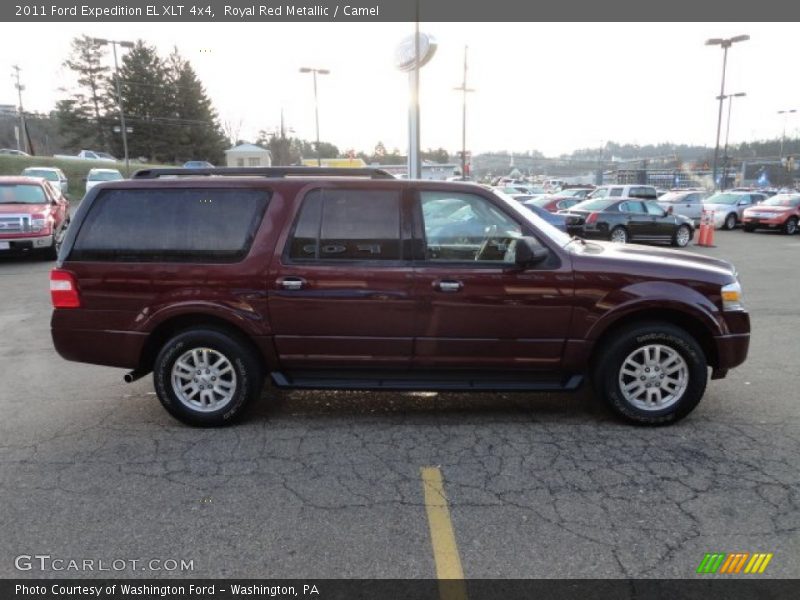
26	243
770	223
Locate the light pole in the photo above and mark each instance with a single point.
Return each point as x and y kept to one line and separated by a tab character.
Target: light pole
785	114
22	138
725	157
464	91
124	44
316	103
725	43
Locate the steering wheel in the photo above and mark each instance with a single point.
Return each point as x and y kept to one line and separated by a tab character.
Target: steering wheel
490	233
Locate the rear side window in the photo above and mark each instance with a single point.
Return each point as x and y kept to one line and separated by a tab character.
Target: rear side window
171	225
346	224
616	192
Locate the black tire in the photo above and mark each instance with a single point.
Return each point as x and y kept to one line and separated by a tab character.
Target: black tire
688	238
249	375
790	227
730	222
623	234
624	342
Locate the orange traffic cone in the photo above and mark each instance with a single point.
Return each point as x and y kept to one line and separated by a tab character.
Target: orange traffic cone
706	235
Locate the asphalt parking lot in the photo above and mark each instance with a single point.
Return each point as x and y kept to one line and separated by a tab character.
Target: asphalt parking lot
320	485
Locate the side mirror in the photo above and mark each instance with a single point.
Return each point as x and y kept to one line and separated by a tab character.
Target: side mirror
529	252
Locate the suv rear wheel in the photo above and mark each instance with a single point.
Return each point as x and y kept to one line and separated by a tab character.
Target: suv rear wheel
206	377
652	373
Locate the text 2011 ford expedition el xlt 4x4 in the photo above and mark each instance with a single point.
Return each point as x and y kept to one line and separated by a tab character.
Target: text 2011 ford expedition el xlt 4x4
351	279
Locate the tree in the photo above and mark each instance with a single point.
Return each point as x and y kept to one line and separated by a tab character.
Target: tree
146	97
195	130
81	117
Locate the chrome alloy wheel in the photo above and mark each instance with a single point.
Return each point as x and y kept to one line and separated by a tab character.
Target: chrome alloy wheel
682	236
203	379
653	377
619	235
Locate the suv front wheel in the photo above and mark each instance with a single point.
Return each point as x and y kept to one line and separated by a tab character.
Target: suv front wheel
206	377
651	373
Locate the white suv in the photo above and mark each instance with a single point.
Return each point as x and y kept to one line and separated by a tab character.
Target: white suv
643	192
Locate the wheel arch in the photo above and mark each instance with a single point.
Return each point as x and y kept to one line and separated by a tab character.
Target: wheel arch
172	326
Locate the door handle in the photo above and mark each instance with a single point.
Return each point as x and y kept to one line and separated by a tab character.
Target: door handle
291	283
449	286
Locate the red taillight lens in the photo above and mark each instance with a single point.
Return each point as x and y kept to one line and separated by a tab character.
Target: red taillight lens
592	218
64	289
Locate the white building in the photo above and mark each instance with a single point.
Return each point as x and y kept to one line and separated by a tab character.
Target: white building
248	155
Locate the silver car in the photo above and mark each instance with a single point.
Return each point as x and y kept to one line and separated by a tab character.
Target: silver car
729	206
688	203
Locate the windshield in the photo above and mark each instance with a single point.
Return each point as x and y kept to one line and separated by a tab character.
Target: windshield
673	197
725	199
599	193
782	200
555	234
21	194
105	176
571	192
43	173
593	204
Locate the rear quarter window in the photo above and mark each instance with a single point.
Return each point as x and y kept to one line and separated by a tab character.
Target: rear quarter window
171	225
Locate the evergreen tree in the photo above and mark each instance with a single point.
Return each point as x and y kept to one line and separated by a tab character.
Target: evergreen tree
194	128
146	97
81	117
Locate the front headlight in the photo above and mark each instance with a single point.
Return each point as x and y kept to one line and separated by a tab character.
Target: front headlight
732	296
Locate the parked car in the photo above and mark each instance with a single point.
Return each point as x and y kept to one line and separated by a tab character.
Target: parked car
575	192
34	215
628	220
337	280
688	203
95	176
197	164
557	221
643	192
52	174
729	206
554	202
781	211
13	152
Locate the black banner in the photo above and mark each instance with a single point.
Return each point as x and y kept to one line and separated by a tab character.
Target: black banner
373	589
394	10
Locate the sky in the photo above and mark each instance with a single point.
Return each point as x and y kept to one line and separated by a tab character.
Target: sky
538	86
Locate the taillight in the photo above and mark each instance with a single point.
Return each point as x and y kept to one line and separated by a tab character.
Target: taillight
592	218
64	289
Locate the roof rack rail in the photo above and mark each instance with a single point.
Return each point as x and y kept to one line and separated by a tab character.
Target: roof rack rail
266	172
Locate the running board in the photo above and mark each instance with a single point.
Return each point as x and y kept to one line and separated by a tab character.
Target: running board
463	382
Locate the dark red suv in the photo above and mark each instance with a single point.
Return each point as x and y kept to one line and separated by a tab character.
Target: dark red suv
351	279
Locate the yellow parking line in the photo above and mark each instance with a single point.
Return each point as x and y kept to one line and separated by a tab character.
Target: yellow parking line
443	538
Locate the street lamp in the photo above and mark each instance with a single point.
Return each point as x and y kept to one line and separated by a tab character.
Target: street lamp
123	44
725	156
725	43
785	114
314	72
464	91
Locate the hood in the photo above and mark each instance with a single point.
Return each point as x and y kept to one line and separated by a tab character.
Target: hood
636	259
23	209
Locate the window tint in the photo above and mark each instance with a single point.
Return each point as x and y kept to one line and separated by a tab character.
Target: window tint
348	225
654	209
616	192
473	228
171	225
632	207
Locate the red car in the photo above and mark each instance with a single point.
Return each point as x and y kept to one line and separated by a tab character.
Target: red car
555	202
33	216
352	279
779	212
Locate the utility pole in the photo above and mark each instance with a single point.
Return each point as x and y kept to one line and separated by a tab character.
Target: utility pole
464	91
22	138
725	157
314	72
123	128
785	114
